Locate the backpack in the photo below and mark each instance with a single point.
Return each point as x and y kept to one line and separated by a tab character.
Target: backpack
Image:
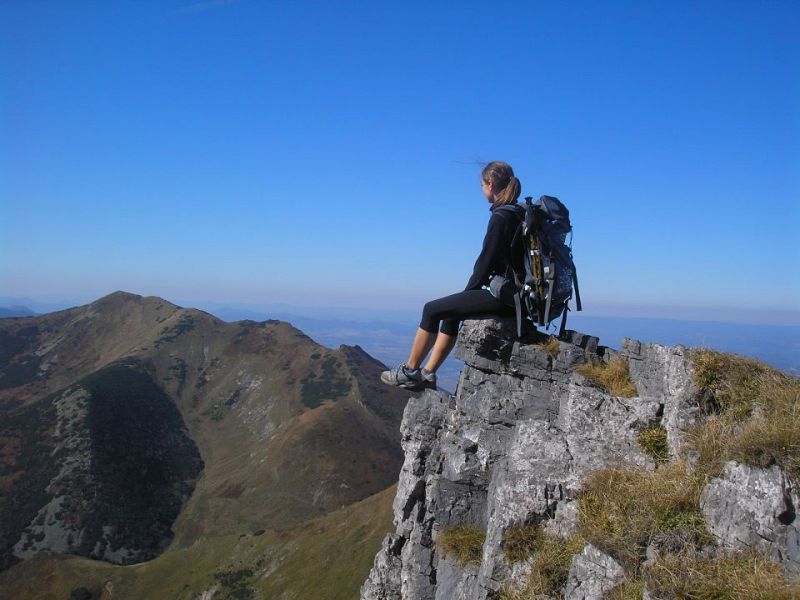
545	275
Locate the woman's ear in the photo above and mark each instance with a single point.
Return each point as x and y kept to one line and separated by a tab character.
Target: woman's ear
488	190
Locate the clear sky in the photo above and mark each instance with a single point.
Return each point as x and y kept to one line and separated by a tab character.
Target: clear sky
328	153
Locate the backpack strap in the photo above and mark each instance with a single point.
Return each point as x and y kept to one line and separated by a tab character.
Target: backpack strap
512	209
577	291
563	327
547	318
518	311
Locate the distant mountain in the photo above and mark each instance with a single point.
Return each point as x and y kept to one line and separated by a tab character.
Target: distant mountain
389	340
15	311
131	425
37	306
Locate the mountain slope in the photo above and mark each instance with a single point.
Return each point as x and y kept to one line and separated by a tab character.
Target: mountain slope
283	429
327	557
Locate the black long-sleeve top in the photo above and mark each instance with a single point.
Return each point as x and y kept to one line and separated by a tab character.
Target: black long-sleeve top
494	255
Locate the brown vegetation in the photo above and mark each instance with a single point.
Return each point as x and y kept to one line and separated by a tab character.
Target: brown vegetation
653	441
463	542
613	376
551	346
728	577
621	510
550	563
755	420
521	541
758	414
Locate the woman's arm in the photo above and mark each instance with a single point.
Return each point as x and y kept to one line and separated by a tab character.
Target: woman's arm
482	270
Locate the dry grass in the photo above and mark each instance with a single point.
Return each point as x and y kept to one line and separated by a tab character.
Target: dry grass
614	376
549	568
733	380
758	415
728	577
521	541
621	510
755	420
551	346
653	441
627	589
464	543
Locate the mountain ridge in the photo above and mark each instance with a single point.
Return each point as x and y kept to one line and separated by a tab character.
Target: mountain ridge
286	430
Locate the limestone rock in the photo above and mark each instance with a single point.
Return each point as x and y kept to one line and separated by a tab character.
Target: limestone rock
751	507
666	373
592	574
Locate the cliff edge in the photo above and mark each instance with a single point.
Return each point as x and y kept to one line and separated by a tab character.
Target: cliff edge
513	449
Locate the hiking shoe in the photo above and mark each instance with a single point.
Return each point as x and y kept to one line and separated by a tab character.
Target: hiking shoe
428	379
402	376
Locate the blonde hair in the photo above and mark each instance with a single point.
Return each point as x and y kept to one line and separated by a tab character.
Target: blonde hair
506	186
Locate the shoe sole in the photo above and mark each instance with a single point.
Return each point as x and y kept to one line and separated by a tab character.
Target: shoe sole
408	386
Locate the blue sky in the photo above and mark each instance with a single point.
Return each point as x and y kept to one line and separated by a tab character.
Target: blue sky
328	153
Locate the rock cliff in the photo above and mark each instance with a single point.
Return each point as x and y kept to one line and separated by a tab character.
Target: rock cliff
514	445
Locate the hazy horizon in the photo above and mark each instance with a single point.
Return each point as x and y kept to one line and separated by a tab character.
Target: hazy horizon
386	335
732	315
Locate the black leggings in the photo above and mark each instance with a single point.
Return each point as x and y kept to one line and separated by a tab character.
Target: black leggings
469	304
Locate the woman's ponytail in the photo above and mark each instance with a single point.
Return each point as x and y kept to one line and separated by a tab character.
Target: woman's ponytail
506	186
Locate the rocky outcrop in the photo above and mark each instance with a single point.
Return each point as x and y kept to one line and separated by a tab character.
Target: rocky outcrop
666	372
512	447
754	508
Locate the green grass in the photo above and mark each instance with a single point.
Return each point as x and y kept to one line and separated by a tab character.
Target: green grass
463	542
613	376
327	385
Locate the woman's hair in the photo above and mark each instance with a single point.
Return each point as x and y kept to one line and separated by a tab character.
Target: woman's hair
507	188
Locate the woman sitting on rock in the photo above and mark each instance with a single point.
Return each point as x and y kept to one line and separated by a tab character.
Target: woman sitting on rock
501	188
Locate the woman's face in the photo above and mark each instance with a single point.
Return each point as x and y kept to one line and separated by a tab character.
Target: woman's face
488	190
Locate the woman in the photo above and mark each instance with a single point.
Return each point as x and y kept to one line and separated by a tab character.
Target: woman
501	188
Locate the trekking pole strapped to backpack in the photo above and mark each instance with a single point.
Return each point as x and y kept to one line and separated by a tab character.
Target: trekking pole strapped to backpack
546	286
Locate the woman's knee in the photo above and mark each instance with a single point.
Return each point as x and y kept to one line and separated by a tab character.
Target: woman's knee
450	327
429	322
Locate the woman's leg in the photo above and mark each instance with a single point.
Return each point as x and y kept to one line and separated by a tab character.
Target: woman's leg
451	309
423	341
441	349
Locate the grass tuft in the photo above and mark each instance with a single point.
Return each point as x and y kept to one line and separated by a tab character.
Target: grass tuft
621	510
653	441
733	380
551	346
521	541
727	577
464	543
757	418
627	589
549	568
613	376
